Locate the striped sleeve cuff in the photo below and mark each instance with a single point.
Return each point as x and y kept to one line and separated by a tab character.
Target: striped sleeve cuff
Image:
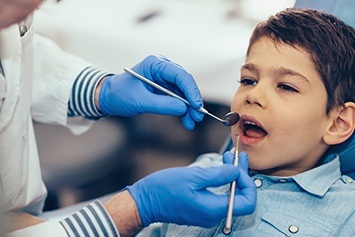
92	220
82	100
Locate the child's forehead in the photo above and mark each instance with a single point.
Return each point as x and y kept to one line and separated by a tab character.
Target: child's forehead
267	41
265	47
266	54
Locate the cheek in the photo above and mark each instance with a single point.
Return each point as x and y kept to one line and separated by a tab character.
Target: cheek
236	102
299	134
310	119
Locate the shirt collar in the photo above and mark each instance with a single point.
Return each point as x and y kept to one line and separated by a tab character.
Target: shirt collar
318	180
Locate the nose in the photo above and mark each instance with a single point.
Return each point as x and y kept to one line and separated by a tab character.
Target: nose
257	96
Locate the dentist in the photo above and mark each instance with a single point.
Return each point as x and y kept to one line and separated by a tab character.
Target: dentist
40	82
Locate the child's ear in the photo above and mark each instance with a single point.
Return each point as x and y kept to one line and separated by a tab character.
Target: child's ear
342	124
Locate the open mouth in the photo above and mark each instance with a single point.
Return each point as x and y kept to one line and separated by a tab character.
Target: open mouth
252	129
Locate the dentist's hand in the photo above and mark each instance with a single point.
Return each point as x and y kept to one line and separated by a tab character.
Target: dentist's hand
179	195
243	161
124	95
243	164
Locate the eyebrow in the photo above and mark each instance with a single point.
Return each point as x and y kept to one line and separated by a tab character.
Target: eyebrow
282	71
249	67
285	72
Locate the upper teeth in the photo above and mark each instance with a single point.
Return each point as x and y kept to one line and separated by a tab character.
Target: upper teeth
249	122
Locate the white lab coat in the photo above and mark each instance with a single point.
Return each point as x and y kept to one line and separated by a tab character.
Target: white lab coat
37	85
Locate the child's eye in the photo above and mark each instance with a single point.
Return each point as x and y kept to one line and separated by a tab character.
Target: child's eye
248	81
287	88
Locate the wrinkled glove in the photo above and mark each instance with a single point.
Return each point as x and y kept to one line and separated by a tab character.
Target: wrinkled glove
179	195
243	161
125	95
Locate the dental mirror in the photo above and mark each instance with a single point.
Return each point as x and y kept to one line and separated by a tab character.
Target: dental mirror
229	119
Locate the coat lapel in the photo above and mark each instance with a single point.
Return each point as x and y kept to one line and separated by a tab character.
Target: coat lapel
10	56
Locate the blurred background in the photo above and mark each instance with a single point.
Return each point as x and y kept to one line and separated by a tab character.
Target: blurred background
207	37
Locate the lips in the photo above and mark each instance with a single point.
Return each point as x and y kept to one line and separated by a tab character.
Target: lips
251	128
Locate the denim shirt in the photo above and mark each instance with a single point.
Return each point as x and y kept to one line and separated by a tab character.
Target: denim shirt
318	202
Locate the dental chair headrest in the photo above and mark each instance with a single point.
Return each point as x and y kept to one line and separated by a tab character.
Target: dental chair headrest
346	152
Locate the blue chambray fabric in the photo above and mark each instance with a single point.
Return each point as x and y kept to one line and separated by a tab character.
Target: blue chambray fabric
319	202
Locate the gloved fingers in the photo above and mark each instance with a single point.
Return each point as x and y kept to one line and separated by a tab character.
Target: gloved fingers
156	58
245	199
163	69
244	181
186	84
214	206
195	115
243	161
187	121
245	188
244	204
163	58
246	194
163	104
228	158
190	118
215	176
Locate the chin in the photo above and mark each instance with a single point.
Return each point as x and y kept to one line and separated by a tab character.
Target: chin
260	166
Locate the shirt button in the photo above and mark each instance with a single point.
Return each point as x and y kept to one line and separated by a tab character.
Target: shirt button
282	180
293	229
23	30
349	180
258	183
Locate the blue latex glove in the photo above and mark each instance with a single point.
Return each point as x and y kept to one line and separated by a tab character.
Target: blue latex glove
243	161
124	95
179	195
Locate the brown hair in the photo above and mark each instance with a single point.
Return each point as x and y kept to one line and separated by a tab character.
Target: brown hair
329	42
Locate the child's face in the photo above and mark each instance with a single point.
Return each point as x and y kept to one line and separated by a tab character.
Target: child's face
281	92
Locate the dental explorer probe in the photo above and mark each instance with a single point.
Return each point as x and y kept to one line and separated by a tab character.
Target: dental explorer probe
229	119
228	227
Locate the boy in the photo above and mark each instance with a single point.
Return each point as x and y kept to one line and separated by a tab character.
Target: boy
296	99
